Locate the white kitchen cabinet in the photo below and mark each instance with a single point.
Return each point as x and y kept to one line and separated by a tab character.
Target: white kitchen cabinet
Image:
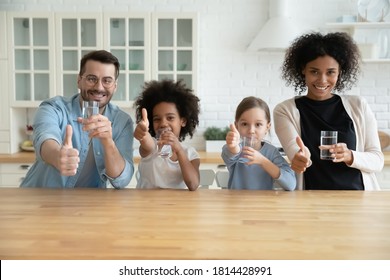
4	111
127	36
45	48
31	58
45	51
3	30
4	104
76	35
372	28
12	174
174	52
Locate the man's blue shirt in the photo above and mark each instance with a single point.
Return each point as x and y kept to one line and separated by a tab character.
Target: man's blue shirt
50	121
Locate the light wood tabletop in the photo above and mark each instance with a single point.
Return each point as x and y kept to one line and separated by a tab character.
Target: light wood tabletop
205	224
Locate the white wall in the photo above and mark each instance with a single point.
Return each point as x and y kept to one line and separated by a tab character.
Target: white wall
227	72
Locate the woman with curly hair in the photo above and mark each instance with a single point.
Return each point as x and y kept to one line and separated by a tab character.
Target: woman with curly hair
323	66
166	112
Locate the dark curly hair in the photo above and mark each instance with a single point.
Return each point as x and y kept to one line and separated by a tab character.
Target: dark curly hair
309	47
187	104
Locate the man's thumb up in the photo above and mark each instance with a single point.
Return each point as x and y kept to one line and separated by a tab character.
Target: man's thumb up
69	157
68	137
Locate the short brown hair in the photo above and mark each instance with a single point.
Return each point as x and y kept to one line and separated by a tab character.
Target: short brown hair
252	102
101	56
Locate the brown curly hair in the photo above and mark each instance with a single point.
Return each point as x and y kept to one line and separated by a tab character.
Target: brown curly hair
187	104
309	47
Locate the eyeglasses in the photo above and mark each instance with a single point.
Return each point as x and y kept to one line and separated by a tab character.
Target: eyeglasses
92	80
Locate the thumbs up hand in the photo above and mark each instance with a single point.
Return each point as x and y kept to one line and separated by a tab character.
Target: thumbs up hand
69	157
142	128
233	139
301	159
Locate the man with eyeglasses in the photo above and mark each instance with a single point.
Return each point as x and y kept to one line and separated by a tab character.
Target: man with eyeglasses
75	152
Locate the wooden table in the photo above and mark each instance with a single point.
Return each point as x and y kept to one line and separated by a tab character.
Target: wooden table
205	224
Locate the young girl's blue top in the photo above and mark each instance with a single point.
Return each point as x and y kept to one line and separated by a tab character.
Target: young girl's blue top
254	177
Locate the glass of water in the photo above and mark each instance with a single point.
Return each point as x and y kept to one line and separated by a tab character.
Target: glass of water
328	138
164	151
90	108
250	141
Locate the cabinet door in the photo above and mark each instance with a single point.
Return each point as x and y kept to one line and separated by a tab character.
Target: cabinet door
174	47
127	36
4	105
31	58
3	30
76	35
12	174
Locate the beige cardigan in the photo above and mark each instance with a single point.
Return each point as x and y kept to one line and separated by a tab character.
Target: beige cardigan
368	157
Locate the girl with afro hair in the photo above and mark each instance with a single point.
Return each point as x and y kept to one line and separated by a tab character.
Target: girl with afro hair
166	113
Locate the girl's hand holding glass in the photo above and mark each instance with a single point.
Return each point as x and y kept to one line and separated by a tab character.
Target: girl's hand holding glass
249	148
163	138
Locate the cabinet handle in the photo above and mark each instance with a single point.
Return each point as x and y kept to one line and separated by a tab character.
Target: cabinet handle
25	166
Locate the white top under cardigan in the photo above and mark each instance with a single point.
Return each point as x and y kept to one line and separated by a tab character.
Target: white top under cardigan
368	157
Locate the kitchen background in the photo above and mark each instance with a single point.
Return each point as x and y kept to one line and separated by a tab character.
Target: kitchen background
226	70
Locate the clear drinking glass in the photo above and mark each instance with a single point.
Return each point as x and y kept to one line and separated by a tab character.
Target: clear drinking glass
164	151
90	108
250	141
328	138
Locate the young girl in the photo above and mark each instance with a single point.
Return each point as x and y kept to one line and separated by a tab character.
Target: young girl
171	107
256	168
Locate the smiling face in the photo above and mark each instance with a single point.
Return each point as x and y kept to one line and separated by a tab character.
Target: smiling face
100	73
321	76
253	122
166	115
